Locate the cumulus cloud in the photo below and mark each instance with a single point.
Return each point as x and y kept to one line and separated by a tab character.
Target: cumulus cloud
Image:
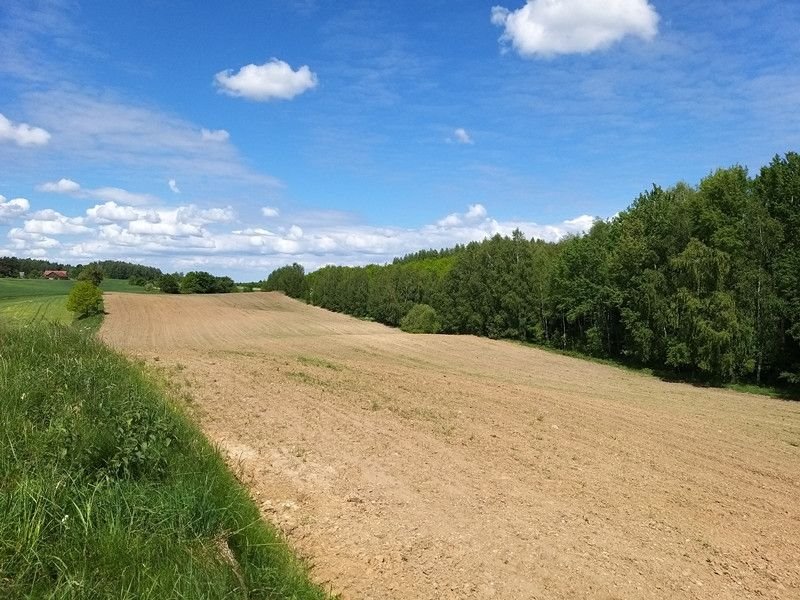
173	185
31	243
12	209
22	134
62	186
50	222
214	135
274	79
189	236
111	211
476	211
270	212
462	136
550	27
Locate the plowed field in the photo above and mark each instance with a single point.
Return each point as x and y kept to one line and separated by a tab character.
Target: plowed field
415	466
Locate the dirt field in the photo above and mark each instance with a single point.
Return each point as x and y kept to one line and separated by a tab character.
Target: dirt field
435	467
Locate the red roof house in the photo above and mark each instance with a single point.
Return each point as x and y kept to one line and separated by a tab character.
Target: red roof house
55	275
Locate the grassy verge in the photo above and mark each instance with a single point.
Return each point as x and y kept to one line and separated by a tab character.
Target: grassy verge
783	393
107	491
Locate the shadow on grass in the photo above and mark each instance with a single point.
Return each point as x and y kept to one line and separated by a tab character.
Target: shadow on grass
779	390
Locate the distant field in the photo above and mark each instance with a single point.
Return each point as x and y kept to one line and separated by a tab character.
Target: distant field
40	299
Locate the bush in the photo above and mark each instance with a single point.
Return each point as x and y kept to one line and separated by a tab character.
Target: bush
85	299
169	284
201	282
422	318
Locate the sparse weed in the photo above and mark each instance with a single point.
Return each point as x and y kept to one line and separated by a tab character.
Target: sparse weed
315	361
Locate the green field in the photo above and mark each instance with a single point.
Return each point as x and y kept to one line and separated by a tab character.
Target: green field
33	300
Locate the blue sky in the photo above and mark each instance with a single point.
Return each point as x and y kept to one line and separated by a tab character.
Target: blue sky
365	130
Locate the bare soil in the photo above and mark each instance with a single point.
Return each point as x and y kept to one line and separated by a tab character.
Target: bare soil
422	466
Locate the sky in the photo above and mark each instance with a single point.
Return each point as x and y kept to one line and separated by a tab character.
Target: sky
239	137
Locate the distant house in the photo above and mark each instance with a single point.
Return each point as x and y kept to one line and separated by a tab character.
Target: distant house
55	275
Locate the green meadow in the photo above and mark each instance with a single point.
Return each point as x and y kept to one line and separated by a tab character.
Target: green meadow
33	300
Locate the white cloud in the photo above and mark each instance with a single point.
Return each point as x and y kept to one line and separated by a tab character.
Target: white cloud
13	209
23	240
50	222
295	233
62	186
172	229
22	134
107	194
173	185
462	136
550	27
273	79
451	220
270	212
214	135
111	211
476	211
189	236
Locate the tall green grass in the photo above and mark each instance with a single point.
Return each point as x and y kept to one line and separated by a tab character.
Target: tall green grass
107	491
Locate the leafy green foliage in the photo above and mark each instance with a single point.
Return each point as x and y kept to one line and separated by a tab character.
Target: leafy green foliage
106	491
85	299
704	281
422	318
169	284
201	282
289	279
92	273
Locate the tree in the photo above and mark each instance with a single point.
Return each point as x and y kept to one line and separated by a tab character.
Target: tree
93	274
289	279
197	282
421	319
85	299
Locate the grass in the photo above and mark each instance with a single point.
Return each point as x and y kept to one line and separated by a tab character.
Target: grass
33	300
35	308
787	392
108	491
315	361
122	285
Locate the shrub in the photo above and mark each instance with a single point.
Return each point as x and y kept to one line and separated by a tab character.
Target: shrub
422	318
169	284
85	299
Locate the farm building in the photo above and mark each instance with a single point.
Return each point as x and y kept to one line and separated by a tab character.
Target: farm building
55	275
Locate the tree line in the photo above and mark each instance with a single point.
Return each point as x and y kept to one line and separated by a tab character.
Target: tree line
193	282
12	266
701	280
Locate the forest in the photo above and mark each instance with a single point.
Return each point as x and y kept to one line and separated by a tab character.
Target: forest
702	281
